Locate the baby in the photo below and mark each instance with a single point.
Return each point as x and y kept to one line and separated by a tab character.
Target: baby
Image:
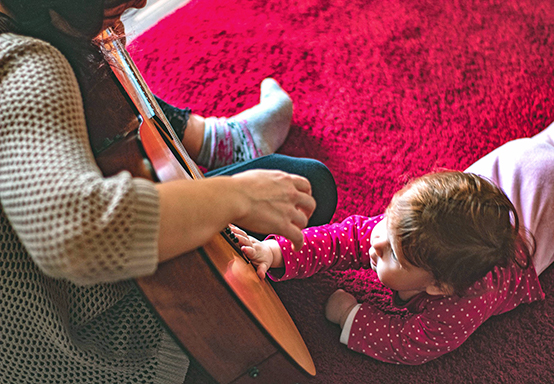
450	246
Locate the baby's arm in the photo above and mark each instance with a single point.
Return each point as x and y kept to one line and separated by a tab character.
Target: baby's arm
339	306
337	246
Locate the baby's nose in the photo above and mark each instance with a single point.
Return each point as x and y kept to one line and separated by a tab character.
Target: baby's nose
379	246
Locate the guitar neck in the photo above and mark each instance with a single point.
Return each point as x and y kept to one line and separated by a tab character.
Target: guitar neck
142	97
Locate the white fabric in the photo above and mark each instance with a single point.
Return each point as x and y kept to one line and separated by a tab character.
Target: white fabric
345	334
524	169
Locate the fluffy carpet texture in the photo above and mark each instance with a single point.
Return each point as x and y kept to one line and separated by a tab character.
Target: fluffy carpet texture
383	91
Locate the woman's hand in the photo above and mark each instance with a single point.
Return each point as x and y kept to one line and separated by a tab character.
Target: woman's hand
261	201
263	254
276	202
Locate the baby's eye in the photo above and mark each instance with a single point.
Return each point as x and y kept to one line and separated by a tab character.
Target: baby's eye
393	255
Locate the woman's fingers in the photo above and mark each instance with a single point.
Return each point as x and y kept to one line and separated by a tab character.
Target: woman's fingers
306	206
302	184
295	235
277	202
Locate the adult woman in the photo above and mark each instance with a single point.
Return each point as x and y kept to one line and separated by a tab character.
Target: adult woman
70	236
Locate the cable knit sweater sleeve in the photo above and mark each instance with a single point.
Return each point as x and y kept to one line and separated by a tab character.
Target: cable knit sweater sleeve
75	223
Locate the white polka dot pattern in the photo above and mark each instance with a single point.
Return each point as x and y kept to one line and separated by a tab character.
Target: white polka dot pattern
339	246
434	325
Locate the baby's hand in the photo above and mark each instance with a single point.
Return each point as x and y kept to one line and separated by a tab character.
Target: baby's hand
262	254
339	305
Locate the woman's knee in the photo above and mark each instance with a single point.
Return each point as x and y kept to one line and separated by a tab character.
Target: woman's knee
324	191
324	188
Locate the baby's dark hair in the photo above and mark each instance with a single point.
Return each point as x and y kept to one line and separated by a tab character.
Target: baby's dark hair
458	226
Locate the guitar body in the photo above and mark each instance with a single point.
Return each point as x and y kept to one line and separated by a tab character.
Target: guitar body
211	300
216	326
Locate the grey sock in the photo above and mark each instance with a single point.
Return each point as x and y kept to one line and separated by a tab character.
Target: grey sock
255	132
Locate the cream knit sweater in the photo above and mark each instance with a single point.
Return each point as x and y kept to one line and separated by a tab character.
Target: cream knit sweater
70	239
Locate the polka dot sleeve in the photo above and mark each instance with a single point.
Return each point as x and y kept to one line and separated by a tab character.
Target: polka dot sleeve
436	325
412	338
339	246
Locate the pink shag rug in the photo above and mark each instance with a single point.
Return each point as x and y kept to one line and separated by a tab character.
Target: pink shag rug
383	90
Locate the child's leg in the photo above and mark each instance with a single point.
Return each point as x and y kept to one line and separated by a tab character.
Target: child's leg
524	169
215	142
255	132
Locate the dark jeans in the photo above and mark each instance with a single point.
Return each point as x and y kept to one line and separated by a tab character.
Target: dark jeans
324	189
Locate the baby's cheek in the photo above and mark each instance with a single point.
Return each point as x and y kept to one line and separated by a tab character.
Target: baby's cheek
383	275
390	277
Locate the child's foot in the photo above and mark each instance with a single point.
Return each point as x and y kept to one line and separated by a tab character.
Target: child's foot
258	131
269	121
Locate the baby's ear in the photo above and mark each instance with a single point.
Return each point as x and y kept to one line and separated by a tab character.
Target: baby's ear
439	289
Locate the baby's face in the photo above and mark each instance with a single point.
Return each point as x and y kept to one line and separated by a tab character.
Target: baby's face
392	268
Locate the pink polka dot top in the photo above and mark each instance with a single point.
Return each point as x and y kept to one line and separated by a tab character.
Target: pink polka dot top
433	325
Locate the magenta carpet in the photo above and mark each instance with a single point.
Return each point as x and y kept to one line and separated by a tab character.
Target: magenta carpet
383	91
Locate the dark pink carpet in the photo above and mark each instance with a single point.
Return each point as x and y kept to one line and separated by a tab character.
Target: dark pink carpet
383	91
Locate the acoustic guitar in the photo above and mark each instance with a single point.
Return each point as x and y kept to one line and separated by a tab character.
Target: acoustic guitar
211	300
